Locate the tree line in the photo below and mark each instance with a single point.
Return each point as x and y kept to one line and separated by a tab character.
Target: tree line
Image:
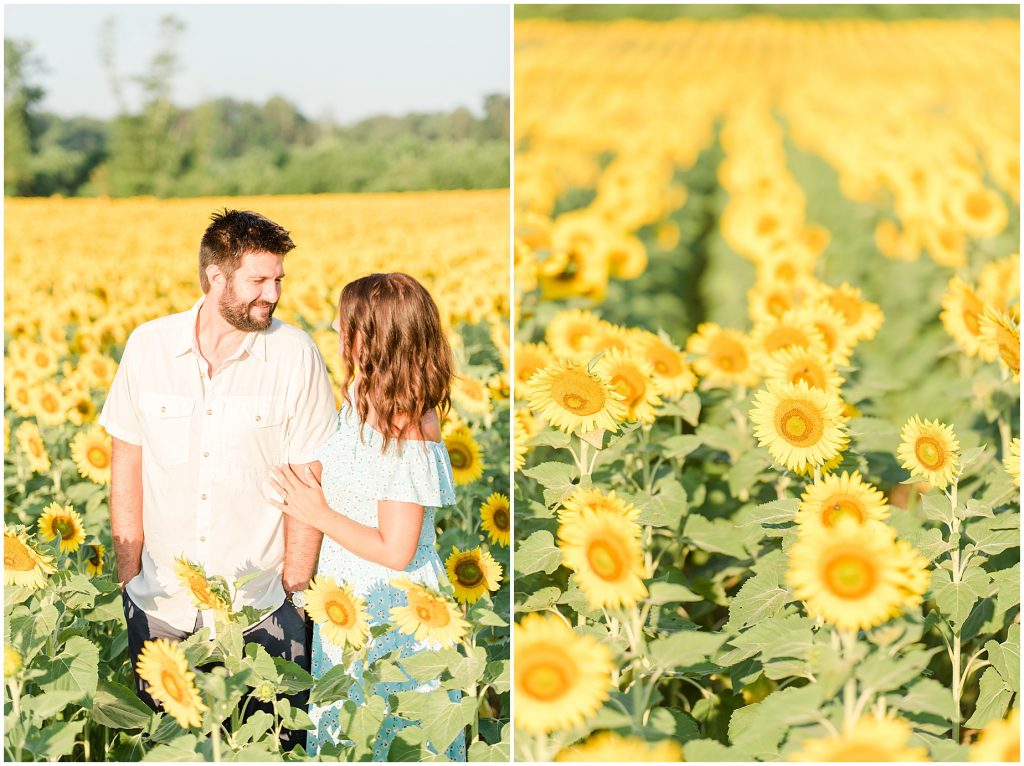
224	146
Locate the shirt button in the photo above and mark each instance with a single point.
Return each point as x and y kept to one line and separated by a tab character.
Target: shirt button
202	539
163	409
206	454
204	496
209	412
257	418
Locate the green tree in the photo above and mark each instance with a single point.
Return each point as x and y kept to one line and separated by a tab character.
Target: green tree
21	120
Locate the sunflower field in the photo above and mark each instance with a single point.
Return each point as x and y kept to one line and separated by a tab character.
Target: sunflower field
80	275
766	387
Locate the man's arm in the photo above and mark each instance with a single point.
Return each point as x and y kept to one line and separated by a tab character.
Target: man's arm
301	547
126	508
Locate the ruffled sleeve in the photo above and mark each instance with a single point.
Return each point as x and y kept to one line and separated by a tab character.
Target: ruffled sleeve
420	473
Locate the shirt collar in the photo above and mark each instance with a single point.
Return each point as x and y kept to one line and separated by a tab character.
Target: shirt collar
254	343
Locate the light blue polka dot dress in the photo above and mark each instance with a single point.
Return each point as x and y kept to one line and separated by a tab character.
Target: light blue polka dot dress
355	476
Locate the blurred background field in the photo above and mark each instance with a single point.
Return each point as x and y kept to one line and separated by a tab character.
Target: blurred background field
712	203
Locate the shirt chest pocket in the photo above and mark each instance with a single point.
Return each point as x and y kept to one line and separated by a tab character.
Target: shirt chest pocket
254	428
167	420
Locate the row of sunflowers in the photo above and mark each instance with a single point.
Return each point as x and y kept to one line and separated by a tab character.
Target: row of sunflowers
766	377
81	274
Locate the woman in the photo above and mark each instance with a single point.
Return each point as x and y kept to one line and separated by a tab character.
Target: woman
384	472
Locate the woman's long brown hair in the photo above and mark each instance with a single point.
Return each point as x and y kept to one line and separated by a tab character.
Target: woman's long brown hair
391	332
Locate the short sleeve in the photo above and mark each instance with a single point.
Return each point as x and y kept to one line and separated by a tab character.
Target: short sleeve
120	415
312	416
420	473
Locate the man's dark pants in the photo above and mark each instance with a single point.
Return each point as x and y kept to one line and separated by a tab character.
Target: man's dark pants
283	633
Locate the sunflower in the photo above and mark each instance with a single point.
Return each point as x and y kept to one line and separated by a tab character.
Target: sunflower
999	741
798	424
590	498
1000	338
472	573
205	595
627	257
12	661
62	521
164	668
609	747
999	282
929	450
609	337
832	326
464	453
772	335
94	561
724	357
603	548
24	566
472	395
81	408
496	518
855	575
568	331
41	360
961	316
794	364
339	612
529	358
48	404
91	451
672	375
633	378
429	615
1012	460
30	442
561	677
870	740
837	497
980	211
520	438
574	399
829	465
770	300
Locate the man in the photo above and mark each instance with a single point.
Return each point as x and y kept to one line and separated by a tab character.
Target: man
203	404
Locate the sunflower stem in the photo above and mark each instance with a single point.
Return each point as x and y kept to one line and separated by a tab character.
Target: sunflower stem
216	743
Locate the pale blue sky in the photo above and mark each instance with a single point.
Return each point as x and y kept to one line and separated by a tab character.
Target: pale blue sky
346	61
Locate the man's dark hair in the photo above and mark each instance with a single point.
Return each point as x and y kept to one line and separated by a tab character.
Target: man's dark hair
233	233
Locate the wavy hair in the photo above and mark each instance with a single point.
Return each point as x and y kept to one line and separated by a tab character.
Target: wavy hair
390	331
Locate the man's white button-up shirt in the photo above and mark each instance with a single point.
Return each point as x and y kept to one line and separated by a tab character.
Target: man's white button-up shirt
207	445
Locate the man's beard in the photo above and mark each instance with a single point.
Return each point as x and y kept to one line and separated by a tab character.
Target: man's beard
236	313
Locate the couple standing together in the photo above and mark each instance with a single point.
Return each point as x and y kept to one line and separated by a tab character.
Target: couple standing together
213	407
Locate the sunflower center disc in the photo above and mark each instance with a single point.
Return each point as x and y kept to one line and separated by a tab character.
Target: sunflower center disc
501	520
978	206
849	576
173	686
842	508
545	681
605	560
50	404
578	393
64	527
929	452
460	457
799	424
971	320
98	457
16	556
468	573
338	613
631	390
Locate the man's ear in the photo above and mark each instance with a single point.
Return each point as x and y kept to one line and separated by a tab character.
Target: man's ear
215	274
